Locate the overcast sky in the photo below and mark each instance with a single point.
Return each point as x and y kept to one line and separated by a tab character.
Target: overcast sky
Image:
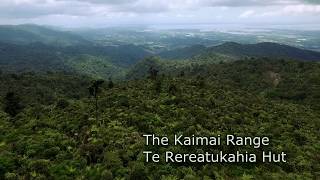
100	13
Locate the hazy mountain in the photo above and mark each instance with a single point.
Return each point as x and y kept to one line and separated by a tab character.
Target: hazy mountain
26	34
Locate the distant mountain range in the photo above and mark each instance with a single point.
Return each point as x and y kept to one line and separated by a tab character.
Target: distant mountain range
36	48
25	48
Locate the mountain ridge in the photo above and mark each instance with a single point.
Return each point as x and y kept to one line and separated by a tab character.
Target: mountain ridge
265	49
239	51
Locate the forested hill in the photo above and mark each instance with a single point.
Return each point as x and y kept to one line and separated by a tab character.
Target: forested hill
48	127
236	50
280	79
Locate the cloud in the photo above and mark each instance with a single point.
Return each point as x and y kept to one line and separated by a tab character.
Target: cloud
302	9
198	3
143	6
150	10
36	8
247	14
311	1
101	2
104	1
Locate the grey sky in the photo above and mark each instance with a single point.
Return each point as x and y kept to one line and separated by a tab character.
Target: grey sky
75	13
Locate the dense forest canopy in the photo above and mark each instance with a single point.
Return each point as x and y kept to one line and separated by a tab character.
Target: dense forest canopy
56	135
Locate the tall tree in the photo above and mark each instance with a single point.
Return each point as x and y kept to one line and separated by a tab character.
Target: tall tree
94	90
153	73
12	104
110	83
